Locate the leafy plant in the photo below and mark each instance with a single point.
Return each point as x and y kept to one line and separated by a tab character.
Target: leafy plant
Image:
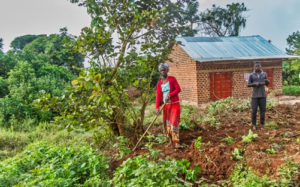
229	140
185	117
45	165
122	145
237	154
140	171
243	175
198	143
250	137
270	151
288	172
271	125
161	139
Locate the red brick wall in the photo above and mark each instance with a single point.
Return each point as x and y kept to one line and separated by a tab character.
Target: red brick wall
193	76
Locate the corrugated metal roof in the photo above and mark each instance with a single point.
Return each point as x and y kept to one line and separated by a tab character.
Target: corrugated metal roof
205	49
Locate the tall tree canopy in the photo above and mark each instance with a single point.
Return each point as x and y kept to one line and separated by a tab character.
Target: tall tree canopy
37	64
227	21
191	17
125	43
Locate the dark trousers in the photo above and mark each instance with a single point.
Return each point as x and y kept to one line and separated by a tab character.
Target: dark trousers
261	103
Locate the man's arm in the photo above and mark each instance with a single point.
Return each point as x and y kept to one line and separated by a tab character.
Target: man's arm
251	83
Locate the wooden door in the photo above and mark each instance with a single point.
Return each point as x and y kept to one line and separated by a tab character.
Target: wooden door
220	85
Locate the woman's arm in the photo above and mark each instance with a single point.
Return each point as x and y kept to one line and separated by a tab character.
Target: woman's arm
177	88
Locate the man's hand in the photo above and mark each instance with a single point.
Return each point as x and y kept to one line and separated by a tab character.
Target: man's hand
256	83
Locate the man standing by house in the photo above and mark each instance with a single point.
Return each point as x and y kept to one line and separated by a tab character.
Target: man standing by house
258	79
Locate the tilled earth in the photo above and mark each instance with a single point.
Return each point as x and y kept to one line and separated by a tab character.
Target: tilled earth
214	157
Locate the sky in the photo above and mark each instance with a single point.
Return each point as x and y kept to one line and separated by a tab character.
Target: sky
274	20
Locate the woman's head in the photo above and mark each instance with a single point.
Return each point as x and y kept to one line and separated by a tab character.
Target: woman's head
163	69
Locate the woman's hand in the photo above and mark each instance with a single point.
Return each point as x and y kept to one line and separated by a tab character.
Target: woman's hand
167	100
157	112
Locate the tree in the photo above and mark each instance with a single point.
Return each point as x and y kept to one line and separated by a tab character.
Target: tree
228	21
125	43
191	17
293	41
20	42
291	68
1	44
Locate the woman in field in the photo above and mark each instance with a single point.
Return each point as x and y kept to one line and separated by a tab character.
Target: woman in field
167	92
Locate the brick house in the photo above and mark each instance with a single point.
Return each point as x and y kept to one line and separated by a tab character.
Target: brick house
212	68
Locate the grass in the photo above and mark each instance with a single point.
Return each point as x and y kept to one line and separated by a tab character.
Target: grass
291	90
12	142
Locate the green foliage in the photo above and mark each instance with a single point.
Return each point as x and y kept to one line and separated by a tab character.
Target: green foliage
185	117
229	140
237	154
198	143
161	139
45	165
3	87
298	140
12	143
20	42
7	62
288	172
270	151
228	21
99	95
250	137
139	171
220	105
122	145
191	17
293	41
271	125
244	176
291	90
291	73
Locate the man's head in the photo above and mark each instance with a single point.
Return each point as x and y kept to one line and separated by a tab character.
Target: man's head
257	67
163	69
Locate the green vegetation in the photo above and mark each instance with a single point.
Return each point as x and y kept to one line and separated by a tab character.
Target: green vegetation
229	140
139	171
45	165
270	151
237	154
271	125
250	137
198	143
291	90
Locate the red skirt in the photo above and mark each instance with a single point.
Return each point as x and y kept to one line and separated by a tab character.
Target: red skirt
171	117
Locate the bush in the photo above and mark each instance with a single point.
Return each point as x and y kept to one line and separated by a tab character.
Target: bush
291	90
45	165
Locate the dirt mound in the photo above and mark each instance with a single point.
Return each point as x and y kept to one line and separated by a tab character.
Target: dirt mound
214	157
